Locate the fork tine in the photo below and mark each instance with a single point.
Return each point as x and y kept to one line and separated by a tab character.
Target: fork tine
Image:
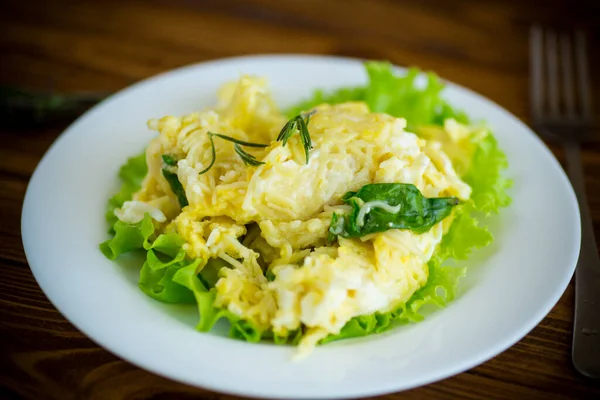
536	72
583	75
567	74
552	59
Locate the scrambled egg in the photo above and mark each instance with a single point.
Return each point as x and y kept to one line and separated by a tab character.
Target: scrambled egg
275	217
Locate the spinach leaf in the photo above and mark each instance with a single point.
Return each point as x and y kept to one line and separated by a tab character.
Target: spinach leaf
169	159
379	207
169	166
176	186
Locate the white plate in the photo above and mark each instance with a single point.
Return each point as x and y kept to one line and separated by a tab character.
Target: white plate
517	282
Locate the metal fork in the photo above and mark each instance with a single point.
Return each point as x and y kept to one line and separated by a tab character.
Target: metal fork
561	110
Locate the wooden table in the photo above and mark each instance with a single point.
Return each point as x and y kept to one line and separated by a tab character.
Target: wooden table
99	45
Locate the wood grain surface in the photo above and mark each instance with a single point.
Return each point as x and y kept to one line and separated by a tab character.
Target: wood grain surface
107	45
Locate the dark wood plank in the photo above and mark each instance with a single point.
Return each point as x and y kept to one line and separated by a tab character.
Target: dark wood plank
107	45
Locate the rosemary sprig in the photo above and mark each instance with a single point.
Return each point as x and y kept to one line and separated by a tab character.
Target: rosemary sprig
247	158
298	124
240	142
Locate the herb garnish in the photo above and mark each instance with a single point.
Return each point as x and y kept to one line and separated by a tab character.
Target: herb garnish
247	158
300	124
379	207
176	186
169	159
169	172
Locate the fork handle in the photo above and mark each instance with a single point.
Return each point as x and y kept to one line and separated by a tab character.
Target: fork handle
586	330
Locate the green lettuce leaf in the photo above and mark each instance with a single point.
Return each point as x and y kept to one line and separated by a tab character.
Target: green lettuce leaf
167	243
334	97
210	272
362	325
292	337
208	313
164	257
397	95
156	262
158	282
486	177
128	237
131	174
465	235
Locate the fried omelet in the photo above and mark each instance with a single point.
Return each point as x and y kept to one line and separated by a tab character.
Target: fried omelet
272	220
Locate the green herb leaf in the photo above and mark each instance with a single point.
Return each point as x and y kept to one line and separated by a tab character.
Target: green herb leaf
213	155
298	124
247	158
237	141
270	275
379	207
171	177
169	159
176	186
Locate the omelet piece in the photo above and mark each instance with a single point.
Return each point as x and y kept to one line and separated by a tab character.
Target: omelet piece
457	141
273	218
